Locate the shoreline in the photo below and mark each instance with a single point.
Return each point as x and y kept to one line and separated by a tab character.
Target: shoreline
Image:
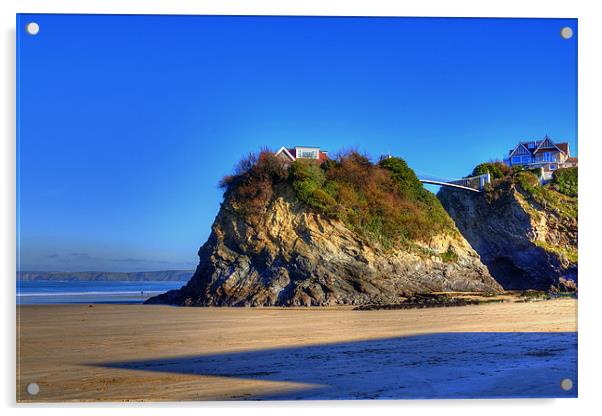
418	300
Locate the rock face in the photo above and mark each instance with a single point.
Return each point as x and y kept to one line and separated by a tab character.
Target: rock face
525	244
292	256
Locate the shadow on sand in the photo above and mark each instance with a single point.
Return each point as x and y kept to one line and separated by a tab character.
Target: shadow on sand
444	365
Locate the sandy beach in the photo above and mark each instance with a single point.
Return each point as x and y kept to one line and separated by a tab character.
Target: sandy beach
155	353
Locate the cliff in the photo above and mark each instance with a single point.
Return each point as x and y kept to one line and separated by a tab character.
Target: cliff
322	235
525	233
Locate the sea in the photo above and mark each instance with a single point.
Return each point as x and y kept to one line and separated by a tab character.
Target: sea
62	292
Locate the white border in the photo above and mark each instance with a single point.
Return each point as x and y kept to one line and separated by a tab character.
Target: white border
590	70
459	8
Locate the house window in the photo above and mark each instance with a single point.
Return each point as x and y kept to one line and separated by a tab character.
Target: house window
515	160
552	167
526	159
531	145
308	154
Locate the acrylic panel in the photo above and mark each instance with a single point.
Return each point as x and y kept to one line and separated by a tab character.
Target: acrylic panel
295	208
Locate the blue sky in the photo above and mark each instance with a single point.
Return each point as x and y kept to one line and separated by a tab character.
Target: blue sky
127	123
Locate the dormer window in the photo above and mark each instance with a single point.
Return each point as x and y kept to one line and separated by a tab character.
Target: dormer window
307	153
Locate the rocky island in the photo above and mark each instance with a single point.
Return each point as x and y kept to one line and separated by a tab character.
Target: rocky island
342	231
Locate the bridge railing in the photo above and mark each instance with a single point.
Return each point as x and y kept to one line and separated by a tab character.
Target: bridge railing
473	182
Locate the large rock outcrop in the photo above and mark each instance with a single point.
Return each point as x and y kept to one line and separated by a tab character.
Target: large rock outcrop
290	255
525	234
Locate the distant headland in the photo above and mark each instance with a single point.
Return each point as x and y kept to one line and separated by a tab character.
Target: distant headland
156	276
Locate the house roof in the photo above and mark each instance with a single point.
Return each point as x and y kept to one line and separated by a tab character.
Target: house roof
563	147
286	152
534	142
520	145
572	160
292	152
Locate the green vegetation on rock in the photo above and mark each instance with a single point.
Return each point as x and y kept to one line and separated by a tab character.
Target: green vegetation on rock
497	170
559	195
383	202
565	181
250	187
570	254
546	196
450	256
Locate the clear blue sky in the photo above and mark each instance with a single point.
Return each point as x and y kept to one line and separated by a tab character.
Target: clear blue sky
127	123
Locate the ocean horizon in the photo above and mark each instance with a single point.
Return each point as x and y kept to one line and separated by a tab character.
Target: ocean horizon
64	292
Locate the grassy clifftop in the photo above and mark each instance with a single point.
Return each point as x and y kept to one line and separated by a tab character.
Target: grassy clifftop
383	202
559	196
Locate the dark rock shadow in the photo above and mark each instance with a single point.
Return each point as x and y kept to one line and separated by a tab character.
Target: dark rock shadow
445	365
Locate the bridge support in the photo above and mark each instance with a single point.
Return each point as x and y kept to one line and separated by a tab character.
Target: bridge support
484	180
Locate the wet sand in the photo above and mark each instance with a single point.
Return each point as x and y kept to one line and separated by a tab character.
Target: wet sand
155	353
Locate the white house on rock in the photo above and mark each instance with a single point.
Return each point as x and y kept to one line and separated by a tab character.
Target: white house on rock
544	154
302	152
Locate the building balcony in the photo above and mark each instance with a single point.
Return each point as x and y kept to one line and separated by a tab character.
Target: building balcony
533	163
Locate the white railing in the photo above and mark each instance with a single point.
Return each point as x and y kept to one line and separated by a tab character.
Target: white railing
472	183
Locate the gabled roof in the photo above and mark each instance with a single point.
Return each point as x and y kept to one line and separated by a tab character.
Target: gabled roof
522	147
564	147
540	146
561	147
546	143
286	152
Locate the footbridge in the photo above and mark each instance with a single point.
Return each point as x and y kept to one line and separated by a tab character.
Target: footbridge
471	183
